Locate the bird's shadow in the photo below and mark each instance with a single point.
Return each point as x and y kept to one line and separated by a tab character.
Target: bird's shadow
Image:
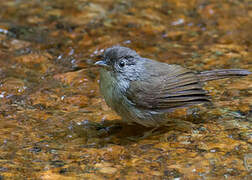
117	132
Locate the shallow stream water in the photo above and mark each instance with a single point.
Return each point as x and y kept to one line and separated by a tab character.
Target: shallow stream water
54	123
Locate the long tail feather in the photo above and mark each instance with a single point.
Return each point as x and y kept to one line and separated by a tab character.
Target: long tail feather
221	74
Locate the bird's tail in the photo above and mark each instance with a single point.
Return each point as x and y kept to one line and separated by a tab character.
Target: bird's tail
221	74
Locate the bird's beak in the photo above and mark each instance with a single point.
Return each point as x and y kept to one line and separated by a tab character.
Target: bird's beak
101	63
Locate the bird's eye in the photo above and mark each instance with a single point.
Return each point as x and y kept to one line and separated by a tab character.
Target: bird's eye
121	63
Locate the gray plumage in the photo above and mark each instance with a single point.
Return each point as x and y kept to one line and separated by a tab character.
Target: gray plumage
143	91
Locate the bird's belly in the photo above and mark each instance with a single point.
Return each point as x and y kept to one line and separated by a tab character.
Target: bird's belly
122	106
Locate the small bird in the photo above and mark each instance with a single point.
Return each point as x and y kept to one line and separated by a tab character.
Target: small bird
144	91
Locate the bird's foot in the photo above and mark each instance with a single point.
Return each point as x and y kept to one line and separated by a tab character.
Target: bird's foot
180	125
145	135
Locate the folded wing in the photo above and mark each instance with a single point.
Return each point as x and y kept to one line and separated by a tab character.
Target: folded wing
171	87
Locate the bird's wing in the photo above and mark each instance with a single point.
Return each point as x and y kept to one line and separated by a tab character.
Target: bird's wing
172	87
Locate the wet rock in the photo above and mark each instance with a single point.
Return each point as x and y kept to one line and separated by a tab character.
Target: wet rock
88	11
78	100
12	86
57	163
175	36
40	62
108	170
248	161
50	175
44	100
16	44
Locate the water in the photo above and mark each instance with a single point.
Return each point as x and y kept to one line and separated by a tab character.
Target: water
54	123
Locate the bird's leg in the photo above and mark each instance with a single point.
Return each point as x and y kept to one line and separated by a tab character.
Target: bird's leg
145	135
150	132
179	124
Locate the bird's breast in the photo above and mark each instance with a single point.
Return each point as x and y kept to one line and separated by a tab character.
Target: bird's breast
112	89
